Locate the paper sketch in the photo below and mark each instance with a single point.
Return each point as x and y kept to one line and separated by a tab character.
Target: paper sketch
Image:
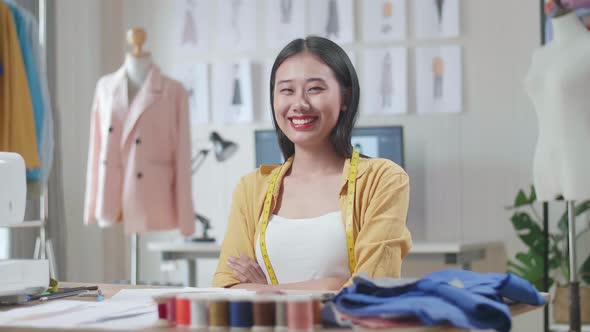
384	81
236	24
384	20
437	18
193	25
233	92
195	79
285	22
439	80
333	19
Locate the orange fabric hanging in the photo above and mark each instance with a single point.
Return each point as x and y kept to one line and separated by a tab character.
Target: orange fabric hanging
17	124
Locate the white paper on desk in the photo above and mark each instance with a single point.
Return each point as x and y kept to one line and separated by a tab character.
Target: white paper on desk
75	314
129	309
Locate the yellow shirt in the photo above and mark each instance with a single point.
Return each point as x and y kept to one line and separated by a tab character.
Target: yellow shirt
379	220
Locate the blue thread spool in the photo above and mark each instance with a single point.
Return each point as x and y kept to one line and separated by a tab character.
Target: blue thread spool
240	313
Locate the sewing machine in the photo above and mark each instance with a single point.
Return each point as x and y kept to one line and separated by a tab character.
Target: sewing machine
17	276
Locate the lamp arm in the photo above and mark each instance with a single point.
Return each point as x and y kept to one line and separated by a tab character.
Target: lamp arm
198	160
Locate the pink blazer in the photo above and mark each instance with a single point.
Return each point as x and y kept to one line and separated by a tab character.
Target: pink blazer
139	162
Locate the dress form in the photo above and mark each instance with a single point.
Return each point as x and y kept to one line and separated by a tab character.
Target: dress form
557	84
137	66
137	62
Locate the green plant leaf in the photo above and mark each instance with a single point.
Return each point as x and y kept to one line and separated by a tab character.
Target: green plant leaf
530	267
579	209
528	231
521	199
533	196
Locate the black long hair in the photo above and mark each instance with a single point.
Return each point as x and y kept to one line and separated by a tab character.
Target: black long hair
337	59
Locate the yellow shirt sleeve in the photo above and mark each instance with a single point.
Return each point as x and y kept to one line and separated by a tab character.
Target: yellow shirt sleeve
239	237
383	239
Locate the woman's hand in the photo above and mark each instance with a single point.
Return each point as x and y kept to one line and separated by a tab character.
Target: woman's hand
246	270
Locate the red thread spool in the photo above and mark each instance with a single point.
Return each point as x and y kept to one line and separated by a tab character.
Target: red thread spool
300	313
171	310
162	302
183	311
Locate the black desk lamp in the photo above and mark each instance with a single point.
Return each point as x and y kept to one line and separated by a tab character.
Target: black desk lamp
223	150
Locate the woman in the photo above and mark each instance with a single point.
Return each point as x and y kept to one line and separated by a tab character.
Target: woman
326	213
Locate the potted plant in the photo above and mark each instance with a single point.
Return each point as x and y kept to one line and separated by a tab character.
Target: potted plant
530	265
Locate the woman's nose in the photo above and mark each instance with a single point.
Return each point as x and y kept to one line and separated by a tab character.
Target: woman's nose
301	105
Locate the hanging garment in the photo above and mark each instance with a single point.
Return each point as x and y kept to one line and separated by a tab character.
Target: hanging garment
17	122
47	140
464	299
32	79
139	163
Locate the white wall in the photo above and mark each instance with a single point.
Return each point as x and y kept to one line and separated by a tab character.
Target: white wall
464	168
86	47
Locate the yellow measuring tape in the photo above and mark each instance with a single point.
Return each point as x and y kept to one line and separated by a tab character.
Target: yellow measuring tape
349	212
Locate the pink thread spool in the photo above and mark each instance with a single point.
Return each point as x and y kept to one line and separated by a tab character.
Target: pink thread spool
300	315
171	310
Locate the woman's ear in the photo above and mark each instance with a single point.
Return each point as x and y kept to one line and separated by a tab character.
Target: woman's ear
345	98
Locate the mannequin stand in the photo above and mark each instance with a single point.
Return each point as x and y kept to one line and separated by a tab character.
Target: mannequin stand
574	301
134	259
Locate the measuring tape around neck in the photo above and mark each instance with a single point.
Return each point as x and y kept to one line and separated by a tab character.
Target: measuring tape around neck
349	217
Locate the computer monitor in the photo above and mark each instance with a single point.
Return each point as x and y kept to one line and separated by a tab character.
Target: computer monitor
380	142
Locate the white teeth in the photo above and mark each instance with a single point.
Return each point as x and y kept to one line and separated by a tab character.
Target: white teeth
302	121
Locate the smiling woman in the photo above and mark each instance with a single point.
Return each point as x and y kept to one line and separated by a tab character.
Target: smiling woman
327	213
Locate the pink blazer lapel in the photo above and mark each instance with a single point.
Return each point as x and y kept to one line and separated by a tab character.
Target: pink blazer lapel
149	92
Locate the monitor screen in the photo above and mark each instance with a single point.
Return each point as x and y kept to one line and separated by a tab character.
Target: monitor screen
375	142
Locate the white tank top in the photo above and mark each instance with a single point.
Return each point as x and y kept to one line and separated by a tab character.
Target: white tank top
305	249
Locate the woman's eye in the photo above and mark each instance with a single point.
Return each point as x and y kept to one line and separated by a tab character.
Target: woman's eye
316	88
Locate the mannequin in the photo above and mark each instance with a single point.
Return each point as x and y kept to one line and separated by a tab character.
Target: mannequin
137	62
557	83
137	66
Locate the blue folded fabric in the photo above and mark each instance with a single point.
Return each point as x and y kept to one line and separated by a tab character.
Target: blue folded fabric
461	298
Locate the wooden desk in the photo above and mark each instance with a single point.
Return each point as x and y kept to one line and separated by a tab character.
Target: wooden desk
109	290
462	254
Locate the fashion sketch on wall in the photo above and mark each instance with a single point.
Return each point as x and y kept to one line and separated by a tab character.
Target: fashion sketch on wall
233	92
437	18
438	80
236	24
193	25
195	78
285	21
333	19
583	14
384	20
286	11
384	81
332	27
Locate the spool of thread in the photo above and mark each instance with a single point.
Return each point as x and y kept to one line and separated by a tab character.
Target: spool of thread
300	313
281	313
198	310
171	310
263	312
317	311
218	312
240	313
183	311
162	303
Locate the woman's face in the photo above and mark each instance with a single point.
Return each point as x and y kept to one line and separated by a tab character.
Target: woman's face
307	99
